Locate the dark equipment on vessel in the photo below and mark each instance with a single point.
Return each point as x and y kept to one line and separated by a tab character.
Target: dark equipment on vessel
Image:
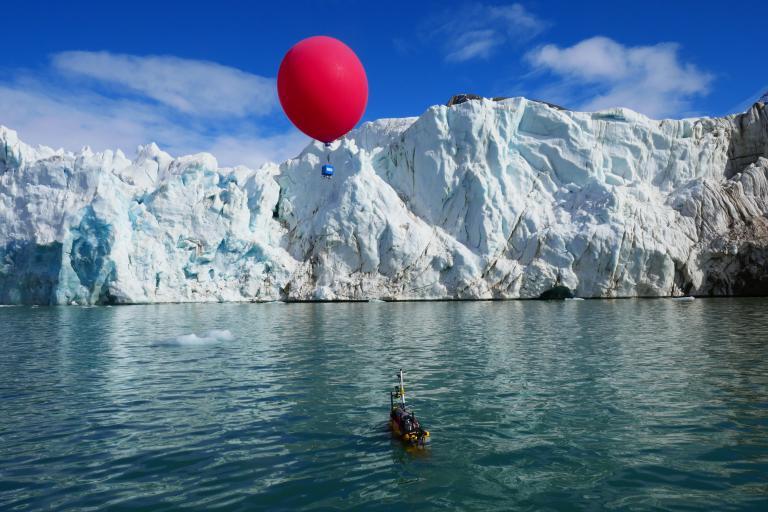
402	420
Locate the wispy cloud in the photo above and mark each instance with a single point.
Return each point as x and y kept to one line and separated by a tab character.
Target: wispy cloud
476	30
185	85
108	100
600	73
474	44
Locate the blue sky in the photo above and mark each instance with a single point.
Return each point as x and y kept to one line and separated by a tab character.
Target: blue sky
200	76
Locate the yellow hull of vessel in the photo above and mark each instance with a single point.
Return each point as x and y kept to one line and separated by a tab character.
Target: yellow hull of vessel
406	438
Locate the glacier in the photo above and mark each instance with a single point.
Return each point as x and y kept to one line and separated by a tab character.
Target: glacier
480	200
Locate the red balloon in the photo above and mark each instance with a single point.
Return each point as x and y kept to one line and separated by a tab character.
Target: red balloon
322	87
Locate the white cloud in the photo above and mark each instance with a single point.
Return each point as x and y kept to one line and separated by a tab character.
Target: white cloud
190	86
604	74
476	30
110	101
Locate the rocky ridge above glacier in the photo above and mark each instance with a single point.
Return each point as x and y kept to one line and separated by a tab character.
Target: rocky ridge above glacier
480	200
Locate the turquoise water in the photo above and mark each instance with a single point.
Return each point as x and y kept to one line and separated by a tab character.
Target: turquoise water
576	405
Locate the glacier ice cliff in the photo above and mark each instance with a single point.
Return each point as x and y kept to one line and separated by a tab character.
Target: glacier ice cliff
478	200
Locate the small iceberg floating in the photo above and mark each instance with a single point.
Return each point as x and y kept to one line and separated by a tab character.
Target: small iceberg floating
185	340
687	298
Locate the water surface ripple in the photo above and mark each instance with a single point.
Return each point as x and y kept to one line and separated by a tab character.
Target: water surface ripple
576	405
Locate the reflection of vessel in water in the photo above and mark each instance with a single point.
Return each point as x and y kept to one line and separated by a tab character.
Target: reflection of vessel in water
402	420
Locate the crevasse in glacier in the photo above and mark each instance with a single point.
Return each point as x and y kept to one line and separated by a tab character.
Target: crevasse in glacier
479	200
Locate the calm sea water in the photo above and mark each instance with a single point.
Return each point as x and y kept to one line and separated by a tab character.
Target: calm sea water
577	405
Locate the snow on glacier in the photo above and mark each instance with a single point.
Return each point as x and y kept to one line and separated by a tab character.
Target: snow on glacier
479	200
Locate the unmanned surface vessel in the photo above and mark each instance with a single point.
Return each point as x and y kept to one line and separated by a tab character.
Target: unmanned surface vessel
402	420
